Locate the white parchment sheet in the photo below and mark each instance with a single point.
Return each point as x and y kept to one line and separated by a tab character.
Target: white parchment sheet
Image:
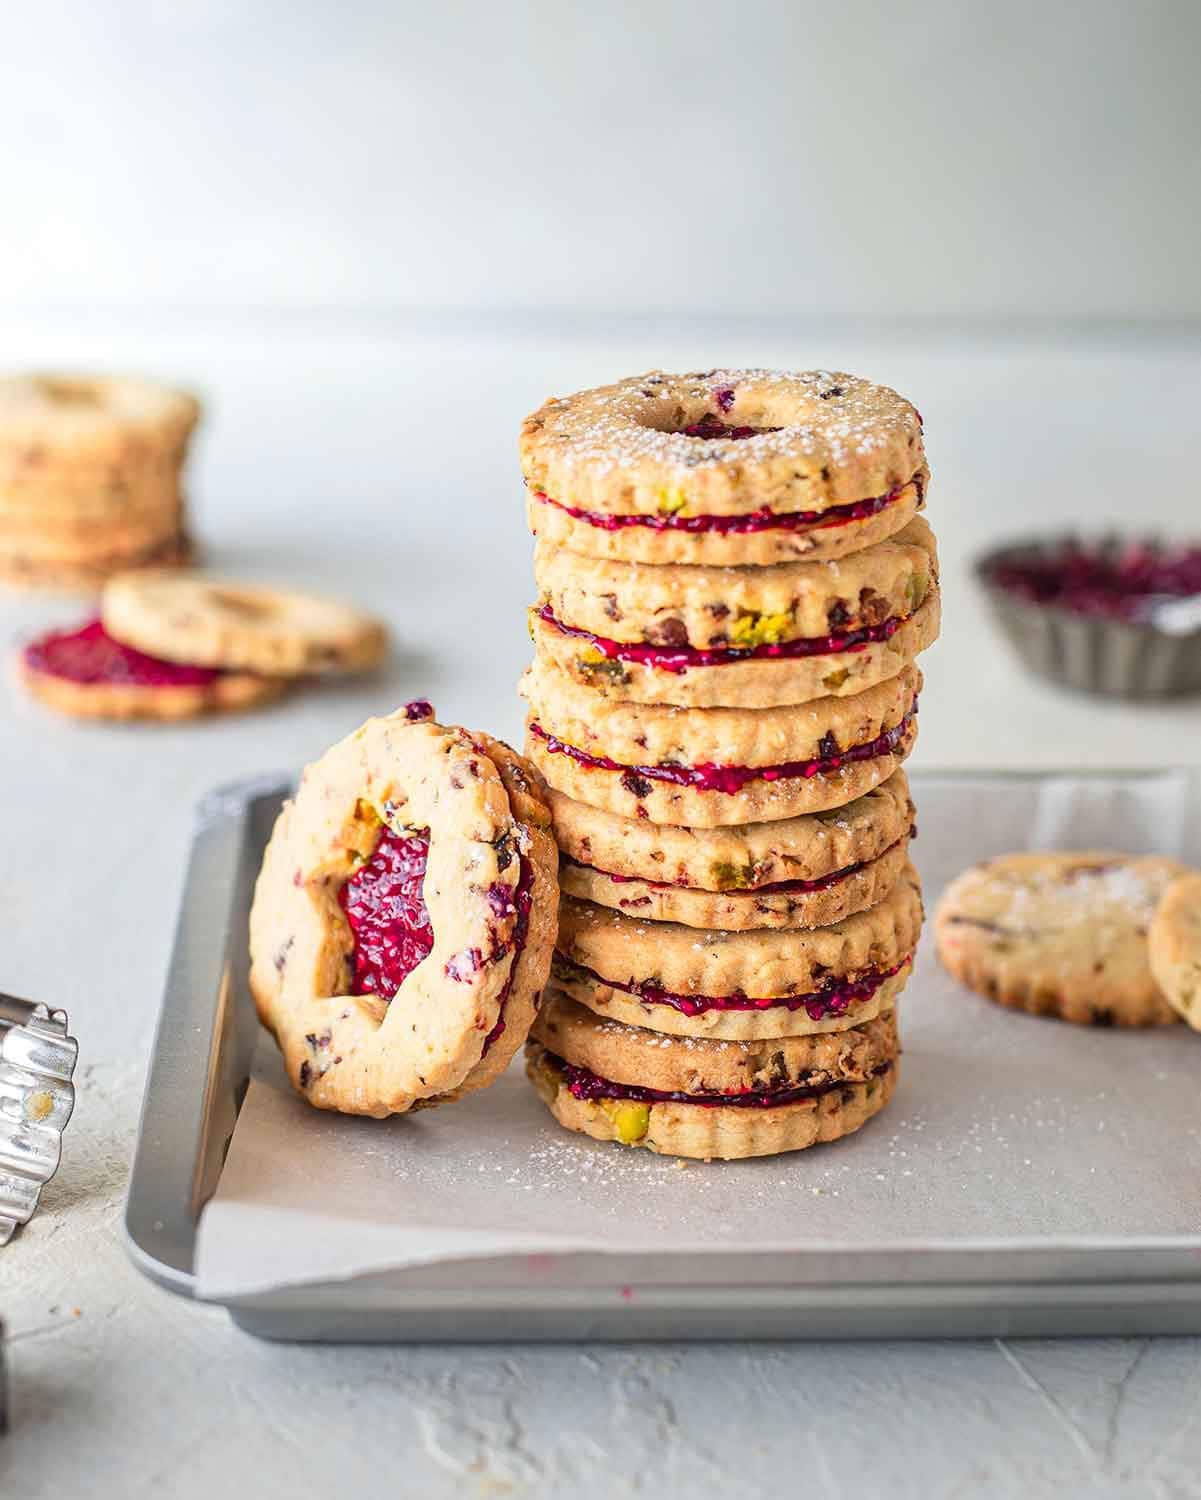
1004	1127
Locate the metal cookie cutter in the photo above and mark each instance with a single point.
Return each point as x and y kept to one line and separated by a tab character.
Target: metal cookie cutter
37	1059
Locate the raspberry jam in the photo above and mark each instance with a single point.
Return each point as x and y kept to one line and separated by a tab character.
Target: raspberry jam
755	521
834	998
678	659
90	655
708	777
711	426
1089	582
584	1084
386	909
775	887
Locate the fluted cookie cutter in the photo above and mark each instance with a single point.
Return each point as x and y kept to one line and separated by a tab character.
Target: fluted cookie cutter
37	1061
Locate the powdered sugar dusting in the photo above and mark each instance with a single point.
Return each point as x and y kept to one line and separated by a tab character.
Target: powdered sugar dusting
818	416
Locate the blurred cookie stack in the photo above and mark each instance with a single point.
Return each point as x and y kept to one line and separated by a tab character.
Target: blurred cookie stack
90	478
733	583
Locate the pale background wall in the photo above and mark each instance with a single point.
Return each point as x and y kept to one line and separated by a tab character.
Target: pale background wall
956	159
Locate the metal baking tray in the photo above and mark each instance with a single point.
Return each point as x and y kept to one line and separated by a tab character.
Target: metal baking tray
1129	1283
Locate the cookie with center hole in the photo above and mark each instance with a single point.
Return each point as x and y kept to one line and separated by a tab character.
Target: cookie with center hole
738	637
404	917
711	767
60	424
707	1099
244	627
746	985
1062	935
1174	947
724	466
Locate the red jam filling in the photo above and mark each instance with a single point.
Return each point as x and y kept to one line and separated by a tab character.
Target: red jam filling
778	887
708	777
385	906
584	1084
754	521
386	909
833	999
1118	585
677	659
711	426
90	655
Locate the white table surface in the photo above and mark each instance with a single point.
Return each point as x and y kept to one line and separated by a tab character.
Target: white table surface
380	462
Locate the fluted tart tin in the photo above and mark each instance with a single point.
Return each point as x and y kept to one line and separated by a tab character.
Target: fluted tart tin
37	1063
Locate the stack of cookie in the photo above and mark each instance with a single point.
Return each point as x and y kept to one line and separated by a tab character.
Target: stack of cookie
90	478
734	582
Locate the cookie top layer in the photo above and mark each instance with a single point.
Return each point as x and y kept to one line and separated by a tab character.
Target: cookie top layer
1174	946
1059	934
758	964
404	916
90	417
680	605
652	1059
647	735
741	857
723	442
211	622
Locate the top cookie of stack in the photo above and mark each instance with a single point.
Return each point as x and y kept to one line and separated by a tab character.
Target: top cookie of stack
90	478
733	583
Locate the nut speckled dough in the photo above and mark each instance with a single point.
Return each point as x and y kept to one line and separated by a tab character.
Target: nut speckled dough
639	737
677	606
740	911
741	857
482	806
670	1064
622	448
603	957
816	542
1174	945
684	610
1060	935
89	577
760	682
708	1133
246	627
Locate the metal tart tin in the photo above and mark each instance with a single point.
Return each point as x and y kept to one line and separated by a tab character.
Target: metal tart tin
37	1061
1092	653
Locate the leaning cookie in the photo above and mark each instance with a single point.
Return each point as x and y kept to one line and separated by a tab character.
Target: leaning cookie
242	627
707	1099
1174	947
712	767
404	917
1061	935
86	674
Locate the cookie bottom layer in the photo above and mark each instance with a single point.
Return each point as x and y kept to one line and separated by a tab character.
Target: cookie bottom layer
710	1132
227	693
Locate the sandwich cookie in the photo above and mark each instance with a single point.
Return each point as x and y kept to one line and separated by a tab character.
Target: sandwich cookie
404	917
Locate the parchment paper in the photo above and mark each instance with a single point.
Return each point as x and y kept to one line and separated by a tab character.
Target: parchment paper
1004	1128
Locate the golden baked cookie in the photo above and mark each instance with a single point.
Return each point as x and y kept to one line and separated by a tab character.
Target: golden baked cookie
788	903
711	767
1060	935
706	1125
89	577
94	423
1174	947
404	917
756	543
628	1054
188	617
738	637
743	857
712	981
87	674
